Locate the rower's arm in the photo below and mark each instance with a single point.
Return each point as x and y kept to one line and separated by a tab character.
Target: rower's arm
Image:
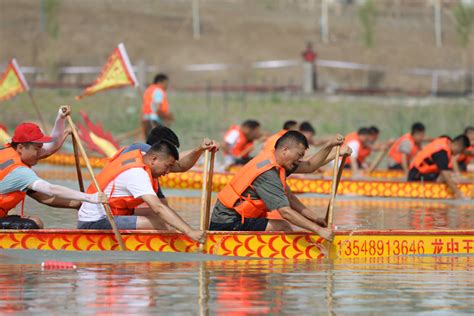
405	164
61	192
454	161
189	158
355	167
246	151
321	157
299	207
59	141
447	177
299	220
345	151
59	133
168	215
54	201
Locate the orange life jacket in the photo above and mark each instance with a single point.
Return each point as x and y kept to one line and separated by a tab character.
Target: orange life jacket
396	155
271	141
9	161
147	109
423	161
233	191
364	151
123	205
241	144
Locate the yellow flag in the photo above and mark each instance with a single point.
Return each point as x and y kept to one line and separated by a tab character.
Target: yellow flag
12	81
4	136
117	72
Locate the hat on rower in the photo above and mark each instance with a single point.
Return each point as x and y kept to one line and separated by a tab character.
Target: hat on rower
30	133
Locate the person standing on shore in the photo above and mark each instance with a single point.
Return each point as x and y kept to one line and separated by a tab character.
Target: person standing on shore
155	107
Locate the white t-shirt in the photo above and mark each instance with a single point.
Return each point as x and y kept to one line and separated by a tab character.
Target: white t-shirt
132	182
354	145
232	137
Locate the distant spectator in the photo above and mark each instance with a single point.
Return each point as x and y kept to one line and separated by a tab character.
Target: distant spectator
155	107
309	55
309	58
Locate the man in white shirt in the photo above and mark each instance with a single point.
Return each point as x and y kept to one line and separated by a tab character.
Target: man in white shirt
129	180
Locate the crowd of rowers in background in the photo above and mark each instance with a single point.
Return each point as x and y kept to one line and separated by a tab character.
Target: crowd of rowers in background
420	158
130	180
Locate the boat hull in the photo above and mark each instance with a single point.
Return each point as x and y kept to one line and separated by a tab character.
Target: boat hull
430	190
392	189
297	245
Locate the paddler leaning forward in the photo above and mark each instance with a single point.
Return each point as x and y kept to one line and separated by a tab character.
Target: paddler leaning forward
130	179
260	186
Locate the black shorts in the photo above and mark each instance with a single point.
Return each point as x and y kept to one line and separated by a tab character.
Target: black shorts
17	222
415	175
395	167
348	165
250	224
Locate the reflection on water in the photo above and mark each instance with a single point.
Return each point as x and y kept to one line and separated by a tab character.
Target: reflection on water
398	285
249	287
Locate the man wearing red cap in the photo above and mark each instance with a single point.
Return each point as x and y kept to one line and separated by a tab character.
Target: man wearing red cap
17	179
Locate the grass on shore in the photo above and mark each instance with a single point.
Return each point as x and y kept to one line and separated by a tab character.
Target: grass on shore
199	114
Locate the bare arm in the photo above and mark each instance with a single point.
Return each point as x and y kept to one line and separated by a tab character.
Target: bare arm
246	151
405	164
61	192
55	201
164	201
56	145
299	220
320	158
455	164
447	178
58	133
298	206
355	167
189	158
345	151
171	217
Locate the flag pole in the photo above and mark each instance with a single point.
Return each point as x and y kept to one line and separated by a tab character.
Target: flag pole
38	112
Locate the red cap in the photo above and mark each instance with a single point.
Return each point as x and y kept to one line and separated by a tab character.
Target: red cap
29	133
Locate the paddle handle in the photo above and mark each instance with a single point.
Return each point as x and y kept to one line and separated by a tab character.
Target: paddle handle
210	175
78	164
108	211
334	187
338	180
377	160
203	225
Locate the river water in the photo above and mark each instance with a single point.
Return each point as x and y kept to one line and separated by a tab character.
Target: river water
186	284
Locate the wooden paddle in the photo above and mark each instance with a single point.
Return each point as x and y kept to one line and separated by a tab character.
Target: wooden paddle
78	164
108	211
336	178
377	160
208	173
